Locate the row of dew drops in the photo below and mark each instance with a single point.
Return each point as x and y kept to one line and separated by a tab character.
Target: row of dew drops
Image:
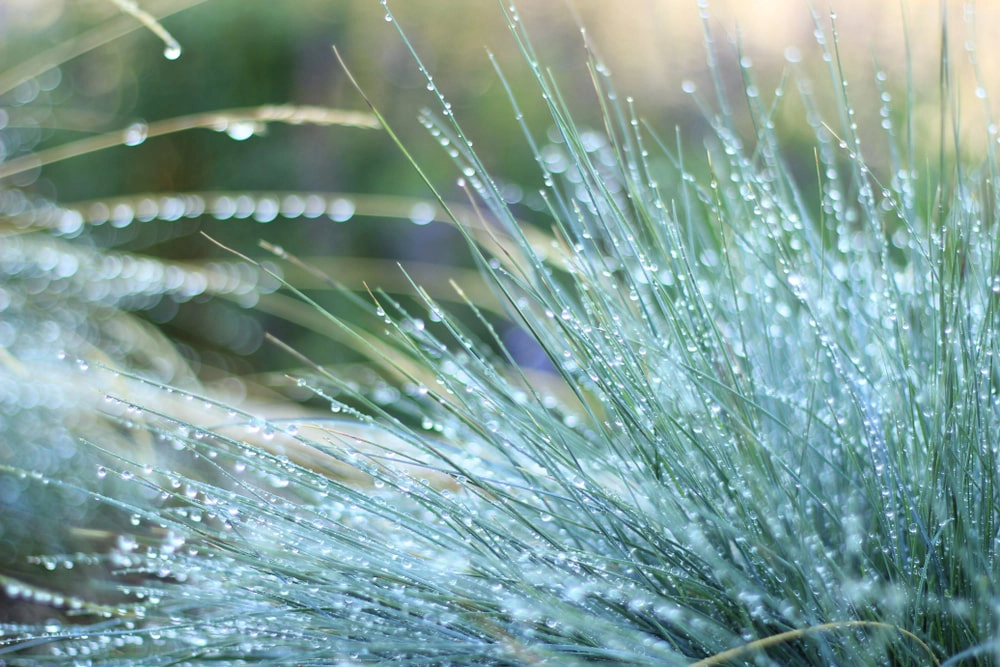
263	208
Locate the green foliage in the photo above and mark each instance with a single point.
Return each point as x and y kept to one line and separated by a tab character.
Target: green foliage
766	431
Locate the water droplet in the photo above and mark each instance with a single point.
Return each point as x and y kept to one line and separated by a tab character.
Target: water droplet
121	216
293	206
241	130
422	213
135	134
341	210
223	208
172	51
267	209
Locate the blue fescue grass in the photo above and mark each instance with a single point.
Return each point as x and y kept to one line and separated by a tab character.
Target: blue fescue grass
768	432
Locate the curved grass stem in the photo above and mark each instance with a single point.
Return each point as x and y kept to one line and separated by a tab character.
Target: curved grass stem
252	119
799	633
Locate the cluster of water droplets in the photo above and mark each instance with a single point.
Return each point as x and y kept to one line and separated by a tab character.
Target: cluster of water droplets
814	308
741	429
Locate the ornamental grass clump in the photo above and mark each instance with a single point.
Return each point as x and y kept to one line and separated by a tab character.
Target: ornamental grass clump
766	431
